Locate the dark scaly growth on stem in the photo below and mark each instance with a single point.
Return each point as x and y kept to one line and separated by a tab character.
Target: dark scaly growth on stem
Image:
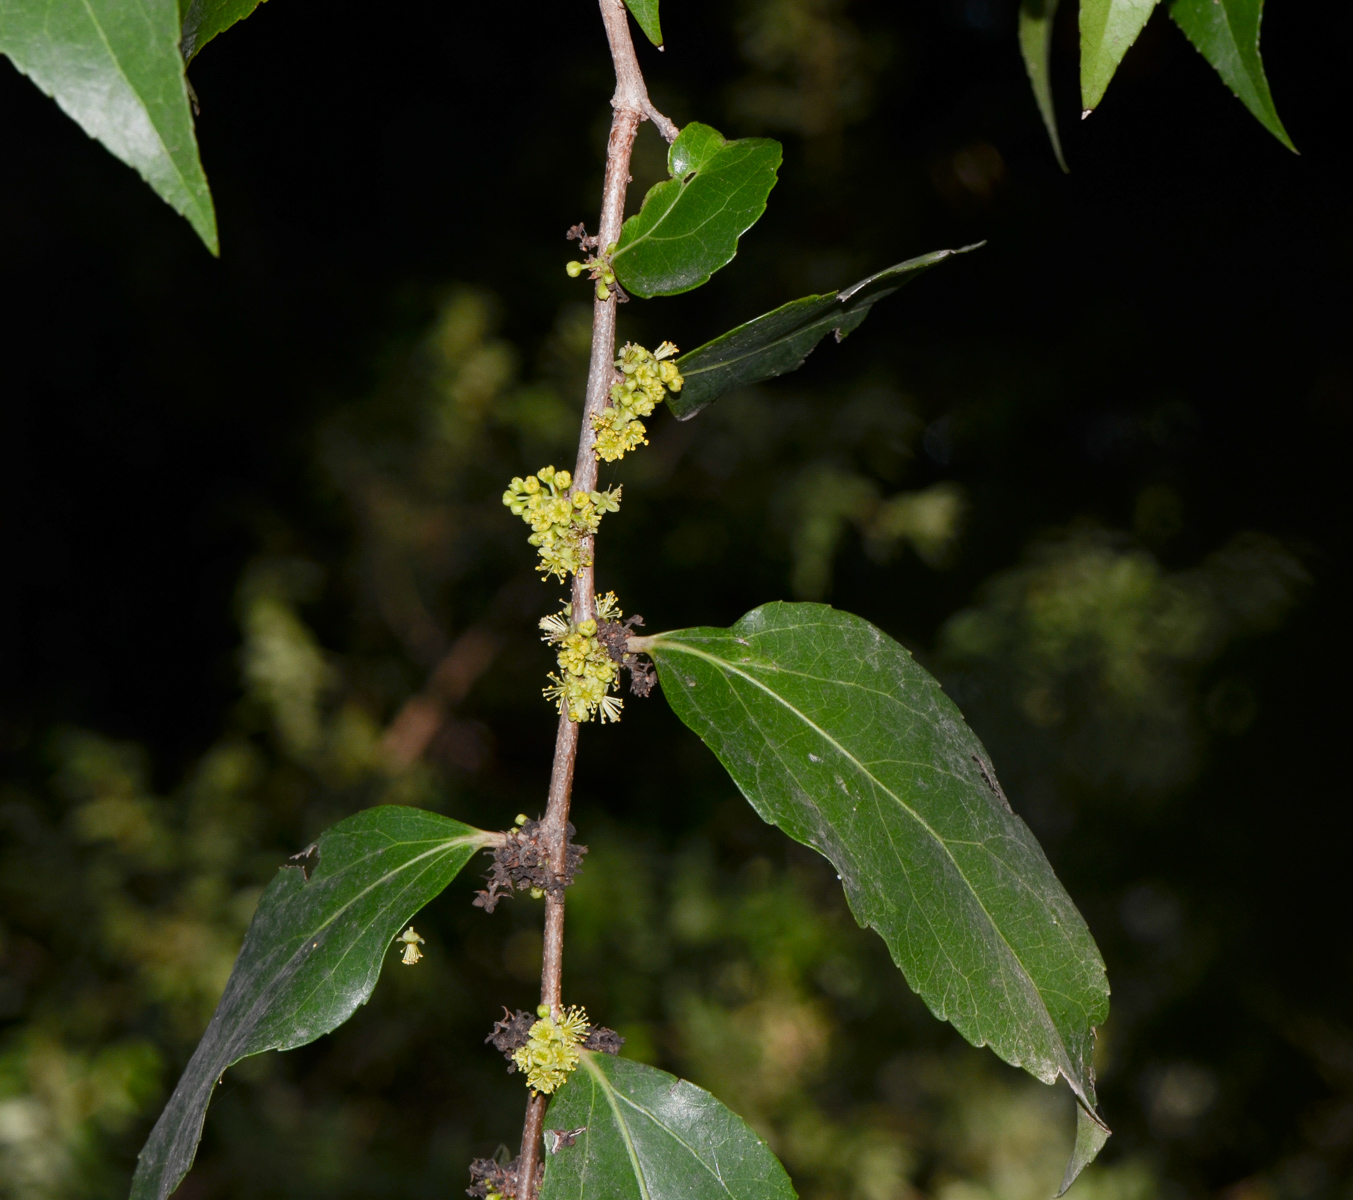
523	861
490	1177
615	636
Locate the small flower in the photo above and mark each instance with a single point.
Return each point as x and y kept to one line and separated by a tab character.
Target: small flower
560	519
411	942
551	1054
597	267
645	381
587	672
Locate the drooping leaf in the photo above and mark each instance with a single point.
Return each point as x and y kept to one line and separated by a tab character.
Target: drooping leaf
835	734
689	225
777	342
204	19
312	955
1035	43
114	67
646	13
1091	1135
648	1135
1108	29
1226	33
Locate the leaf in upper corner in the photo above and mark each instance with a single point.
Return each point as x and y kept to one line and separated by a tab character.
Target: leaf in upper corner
646	13
1226	33
114	68
834	733
204	19
1035	43
779	341
648	1135
1108	29
689	225
312	955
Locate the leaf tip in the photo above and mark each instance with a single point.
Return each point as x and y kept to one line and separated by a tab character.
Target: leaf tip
1091	1134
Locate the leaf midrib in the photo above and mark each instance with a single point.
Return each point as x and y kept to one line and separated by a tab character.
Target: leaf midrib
684	183
265	987
612	1095
921	821
652	233
448	845
783	338
117	62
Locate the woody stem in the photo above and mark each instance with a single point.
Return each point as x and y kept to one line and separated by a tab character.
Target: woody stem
631	105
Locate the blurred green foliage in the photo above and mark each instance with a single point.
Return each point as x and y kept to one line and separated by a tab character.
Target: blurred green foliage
1113	534
722	956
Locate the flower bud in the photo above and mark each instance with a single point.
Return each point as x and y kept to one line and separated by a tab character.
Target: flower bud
574	269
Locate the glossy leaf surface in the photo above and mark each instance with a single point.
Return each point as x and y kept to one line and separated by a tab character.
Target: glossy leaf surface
114	67
1226	33
646	13
204	19
648	1135
777	342
311	956
689	225
1108	29
1035	43
835	734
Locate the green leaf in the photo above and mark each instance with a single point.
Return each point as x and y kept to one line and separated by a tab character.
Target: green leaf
689	225
836	735
777	342
1091	1134
204	19
648	1135
1108	29
1035	43
312	955
1226	33
114	67
646	13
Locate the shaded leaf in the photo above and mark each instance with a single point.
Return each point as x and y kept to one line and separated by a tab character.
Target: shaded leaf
114	68
777	342
689	225
204	19
1108	29
835	734
648	1135
1091	1135
646	13
1226	33
312	955
1035	43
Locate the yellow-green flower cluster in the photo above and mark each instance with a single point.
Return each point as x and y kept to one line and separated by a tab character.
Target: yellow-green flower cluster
552	1052
598	267
560	520
647	378
587	673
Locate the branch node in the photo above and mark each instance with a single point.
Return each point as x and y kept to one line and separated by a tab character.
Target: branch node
615	636
522	861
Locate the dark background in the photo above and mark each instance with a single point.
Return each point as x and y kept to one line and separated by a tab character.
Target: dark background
1138	391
